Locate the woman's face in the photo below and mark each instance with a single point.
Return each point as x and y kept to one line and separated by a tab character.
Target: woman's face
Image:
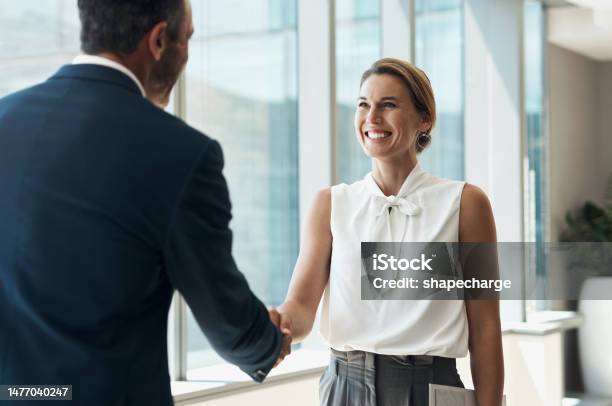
386	121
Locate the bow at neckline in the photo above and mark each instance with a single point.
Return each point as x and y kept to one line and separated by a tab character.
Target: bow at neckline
384	203
407	202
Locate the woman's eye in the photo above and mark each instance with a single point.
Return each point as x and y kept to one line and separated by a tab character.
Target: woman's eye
362	105
389	105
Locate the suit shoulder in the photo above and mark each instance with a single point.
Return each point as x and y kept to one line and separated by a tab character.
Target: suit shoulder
168	130
166	121
18	96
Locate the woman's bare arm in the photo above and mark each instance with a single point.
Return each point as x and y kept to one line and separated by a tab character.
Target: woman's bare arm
476	224
311	270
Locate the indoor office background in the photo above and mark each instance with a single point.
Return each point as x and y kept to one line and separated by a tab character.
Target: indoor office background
523	90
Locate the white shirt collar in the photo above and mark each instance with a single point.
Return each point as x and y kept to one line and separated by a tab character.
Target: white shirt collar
412	182
99	60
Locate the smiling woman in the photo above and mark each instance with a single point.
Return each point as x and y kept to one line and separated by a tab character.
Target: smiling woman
378	358
396	110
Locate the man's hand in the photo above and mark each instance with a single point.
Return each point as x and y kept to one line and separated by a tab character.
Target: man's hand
283	323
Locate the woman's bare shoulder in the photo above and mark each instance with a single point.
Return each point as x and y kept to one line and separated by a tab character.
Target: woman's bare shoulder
323	196
322	200
476	221
320	208
474	198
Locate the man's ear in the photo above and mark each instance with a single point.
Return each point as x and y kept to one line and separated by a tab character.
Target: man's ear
157	40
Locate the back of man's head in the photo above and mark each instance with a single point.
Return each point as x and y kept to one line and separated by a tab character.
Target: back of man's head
117	26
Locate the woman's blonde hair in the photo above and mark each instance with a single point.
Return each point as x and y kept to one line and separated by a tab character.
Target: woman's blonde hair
419	88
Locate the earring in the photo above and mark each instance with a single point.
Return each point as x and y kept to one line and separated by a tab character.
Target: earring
423	140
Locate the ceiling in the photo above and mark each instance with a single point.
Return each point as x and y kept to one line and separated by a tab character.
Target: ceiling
581	28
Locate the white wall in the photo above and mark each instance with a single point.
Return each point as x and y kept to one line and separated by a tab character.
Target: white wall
575	153
604	89
533	369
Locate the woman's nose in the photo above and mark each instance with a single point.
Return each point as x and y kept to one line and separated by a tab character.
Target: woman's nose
373	116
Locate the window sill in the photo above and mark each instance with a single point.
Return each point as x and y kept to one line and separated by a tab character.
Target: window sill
224	379
544	323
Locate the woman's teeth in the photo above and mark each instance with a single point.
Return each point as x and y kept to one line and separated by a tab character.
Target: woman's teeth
377	135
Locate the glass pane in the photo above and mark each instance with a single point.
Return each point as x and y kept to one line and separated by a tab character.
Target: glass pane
36	38
533	60
533	41
358	39
439	52
241	89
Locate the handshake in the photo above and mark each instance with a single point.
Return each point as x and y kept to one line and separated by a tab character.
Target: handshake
283	323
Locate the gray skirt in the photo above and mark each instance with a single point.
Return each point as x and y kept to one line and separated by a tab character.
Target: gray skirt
368	379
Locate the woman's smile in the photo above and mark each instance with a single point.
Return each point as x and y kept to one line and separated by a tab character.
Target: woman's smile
377	135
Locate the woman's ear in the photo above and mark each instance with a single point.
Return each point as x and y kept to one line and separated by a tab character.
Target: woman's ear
156	40
425	125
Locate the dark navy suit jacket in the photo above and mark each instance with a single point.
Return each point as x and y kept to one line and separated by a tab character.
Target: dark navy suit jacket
108	204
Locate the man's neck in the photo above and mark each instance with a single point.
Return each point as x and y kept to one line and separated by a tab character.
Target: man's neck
130	63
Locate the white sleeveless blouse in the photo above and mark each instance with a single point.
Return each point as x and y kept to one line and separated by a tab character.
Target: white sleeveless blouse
425	210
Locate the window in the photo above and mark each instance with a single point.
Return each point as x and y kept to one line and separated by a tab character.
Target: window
535	178
37	38
533	42
439	52
241	89
358	39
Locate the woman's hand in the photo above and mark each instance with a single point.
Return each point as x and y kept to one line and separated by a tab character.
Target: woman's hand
284	325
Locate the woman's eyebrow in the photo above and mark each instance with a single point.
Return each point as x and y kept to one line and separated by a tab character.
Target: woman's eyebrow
382	98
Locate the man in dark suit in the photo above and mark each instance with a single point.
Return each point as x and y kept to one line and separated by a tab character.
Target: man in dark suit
108	204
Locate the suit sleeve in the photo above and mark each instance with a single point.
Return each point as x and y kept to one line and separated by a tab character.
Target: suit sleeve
199	263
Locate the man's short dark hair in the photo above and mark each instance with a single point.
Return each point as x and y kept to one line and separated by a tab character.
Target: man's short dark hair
117	26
